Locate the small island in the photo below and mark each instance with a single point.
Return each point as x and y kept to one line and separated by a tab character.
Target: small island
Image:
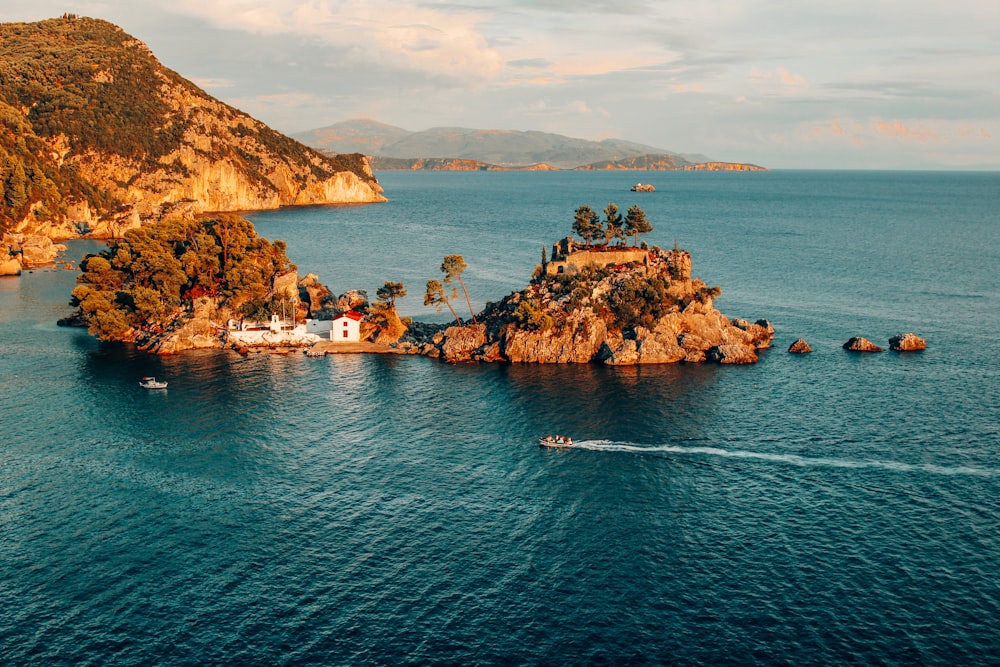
612	304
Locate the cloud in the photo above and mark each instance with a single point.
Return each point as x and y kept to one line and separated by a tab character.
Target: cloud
407	36
920	132
211	84
898	130
779	81
790	79
534	63
687	88
570	108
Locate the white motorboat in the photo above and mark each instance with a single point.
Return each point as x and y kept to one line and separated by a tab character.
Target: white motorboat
555	441
150	382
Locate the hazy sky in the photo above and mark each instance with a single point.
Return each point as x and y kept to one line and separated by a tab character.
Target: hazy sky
782	83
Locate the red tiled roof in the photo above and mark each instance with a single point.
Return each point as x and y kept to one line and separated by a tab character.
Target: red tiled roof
353	314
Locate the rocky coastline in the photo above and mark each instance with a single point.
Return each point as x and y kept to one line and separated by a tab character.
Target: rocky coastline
648	310
617	305
27	251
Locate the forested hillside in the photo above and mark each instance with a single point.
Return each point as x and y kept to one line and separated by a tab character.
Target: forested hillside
93	127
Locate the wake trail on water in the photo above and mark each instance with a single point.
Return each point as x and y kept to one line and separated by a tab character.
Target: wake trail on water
790	459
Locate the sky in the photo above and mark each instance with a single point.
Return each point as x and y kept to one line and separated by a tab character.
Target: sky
796	84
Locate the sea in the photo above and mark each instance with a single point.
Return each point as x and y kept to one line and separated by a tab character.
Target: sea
821	509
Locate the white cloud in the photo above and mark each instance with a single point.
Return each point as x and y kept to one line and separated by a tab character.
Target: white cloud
399	35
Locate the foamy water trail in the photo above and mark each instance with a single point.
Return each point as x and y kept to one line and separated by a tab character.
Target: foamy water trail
790	459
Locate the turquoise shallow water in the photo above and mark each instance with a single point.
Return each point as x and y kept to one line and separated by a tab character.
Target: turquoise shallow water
816	509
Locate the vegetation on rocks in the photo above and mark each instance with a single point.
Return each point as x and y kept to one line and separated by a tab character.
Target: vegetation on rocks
155	273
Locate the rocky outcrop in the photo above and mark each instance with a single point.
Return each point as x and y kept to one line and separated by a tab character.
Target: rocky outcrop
576	343
645	311
799	347
22	251
10	266
392	327
859	344
907	342
186	331
351	300
732	354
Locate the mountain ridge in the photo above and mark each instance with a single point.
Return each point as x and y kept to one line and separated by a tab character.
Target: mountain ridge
486	149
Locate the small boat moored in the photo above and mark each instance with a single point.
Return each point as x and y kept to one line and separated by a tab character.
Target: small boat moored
150	382
555	441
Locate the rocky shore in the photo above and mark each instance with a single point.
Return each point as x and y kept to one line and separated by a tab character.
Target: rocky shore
27	251
645	311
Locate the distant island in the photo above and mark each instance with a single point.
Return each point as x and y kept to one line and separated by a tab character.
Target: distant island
463	149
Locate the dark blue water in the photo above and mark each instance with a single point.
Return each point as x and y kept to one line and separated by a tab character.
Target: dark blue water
269	510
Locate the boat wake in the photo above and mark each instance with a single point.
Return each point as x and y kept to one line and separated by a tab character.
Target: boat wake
788	459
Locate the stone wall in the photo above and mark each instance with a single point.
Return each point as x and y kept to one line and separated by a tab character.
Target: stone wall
566	259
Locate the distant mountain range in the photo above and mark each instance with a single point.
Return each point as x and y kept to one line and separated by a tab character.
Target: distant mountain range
457	148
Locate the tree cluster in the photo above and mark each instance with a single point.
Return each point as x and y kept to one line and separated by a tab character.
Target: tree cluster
146	277
443	292
589	226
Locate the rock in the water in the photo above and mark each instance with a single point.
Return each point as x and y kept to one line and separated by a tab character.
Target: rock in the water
799	347
859	344
10	267
907	342
732	354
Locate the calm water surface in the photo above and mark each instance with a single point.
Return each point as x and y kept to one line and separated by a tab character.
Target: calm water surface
278	510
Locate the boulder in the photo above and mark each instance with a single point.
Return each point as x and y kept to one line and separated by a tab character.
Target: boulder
799	347
286	285
907	342
732	354
660	350
351	299
626	354
859	344
393	330
313	292
460	343
38	250
10	266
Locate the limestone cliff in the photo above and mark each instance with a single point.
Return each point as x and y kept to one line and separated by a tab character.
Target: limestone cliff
640	306
96	137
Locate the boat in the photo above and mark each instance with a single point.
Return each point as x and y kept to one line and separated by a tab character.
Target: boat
150	382
643	187
556	441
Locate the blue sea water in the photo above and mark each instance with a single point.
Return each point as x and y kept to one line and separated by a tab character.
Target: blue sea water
820	509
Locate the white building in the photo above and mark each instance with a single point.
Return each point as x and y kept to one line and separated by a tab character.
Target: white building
347	327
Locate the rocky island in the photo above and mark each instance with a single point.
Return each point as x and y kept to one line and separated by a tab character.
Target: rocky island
615	305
